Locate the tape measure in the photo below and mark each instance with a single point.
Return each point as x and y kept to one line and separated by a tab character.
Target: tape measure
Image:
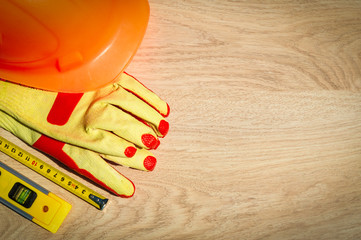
52	174
31	200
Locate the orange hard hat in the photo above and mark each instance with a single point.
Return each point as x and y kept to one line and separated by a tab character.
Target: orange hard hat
69	45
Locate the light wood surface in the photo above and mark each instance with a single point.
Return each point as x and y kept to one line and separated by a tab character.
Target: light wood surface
265	138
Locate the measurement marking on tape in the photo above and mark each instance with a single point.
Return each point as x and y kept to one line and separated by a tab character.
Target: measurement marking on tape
52	174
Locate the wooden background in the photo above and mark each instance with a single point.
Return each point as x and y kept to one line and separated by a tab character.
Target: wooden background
265	138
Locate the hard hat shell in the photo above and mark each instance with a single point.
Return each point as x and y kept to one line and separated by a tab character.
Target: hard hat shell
69	45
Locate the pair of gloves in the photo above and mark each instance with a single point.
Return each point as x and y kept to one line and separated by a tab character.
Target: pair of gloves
120	123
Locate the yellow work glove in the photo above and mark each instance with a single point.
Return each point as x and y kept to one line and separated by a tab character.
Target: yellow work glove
115	120
83	161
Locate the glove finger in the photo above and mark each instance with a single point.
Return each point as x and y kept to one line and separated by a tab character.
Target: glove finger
142	160
88	164
85	162
132	85
112	119
138	108
104	142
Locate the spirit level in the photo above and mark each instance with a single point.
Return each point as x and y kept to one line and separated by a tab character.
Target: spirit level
52	174
31	200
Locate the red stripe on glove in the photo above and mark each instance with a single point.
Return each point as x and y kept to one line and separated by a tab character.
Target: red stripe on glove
63	107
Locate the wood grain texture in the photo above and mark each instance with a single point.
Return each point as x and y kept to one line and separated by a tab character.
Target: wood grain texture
265	139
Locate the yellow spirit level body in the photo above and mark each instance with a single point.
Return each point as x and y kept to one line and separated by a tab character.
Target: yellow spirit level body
31	200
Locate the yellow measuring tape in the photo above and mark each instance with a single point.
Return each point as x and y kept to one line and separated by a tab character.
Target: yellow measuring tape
52	174
31	200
